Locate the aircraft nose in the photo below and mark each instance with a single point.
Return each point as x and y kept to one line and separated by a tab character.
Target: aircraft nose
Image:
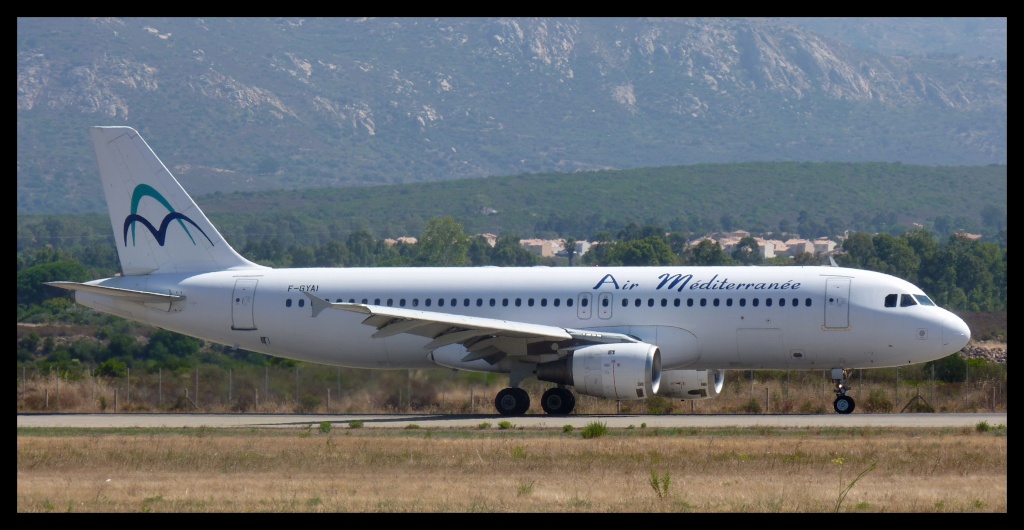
955	333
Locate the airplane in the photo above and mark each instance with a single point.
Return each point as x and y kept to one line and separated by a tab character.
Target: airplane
621	333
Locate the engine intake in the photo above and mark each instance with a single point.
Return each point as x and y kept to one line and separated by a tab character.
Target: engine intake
624	371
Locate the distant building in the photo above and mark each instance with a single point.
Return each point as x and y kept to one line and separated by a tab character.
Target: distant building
545	248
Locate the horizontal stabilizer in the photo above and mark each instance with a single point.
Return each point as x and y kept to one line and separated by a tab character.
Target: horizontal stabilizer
128	295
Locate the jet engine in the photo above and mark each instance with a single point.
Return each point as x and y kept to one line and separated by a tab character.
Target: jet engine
625	371
691	384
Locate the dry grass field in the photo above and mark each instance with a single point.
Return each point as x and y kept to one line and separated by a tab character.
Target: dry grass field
504	468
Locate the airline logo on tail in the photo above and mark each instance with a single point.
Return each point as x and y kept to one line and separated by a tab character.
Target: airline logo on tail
144	190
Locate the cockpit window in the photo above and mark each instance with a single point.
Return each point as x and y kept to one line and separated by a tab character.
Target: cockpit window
890	300
924	300
906	300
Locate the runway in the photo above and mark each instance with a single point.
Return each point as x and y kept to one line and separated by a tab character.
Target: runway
476	421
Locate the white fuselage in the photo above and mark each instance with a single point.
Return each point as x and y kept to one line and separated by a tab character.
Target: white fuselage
700	317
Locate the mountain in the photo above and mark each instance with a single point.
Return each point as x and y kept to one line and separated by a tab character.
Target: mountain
250	104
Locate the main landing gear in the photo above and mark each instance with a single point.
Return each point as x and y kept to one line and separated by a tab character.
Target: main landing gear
843	404
514	401
556	401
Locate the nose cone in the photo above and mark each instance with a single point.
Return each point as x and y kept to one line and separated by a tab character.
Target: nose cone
955	334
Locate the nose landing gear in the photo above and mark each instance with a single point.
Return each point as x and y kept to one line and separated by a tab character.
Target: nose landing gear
843	404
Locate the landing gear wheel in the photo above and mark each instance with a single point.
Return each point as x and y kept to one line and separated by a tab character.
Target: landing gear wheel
512	402
843	404
558	401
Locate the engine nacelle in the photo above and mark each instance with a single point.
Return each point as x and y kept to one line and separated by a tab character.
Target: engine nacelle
691	385
624	371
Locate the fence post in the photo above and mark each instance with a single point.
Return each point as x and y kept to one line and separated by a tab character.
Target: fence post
967	383
897	386
58	389
766	402
160	387
128	387
197	387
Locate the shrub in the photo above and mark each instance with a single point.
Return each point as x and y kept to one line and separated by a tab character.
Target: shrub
355	424
325	427
878	401
594	429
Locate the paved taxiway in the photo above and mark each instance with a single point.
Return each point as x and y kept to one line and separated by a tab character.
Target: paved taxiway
448	421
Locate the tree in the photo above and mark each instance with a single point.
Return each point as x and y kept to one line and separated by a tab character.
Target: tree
507	252
748	252
570	249
708	252
444	244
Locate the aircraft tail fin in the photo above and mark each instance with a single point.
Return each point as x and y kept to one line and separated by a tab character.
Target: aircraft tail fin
158	228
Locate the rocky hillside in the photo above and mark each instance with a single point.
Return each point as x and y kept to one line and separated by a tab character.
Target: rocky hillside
236	104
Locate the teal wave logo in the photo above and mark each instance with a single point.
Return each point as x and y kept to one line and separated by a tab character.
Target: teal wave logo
144	190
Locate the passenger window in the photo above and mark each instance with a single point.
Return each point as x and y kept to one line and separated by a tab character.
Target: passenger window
728	302
782	302
568	302
637	302
302	302
650	302
676	303
390	302
557	301
440	302
519	302
703	302
492	302
288	302
664	302
401	302
767	302
689	302
743	302
426	302
754	302
529	302
504	302
906	300
584	302
715	302
544	302
604	302
465	302
479	302
455	302
890	300
807	302
415	302
796	302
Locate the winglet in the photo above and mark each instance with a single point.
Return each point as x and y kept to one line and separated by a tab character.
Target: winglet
319	304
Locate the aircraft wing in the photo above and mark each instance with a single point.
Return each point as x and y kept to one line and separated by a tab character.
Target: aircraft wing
485	338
